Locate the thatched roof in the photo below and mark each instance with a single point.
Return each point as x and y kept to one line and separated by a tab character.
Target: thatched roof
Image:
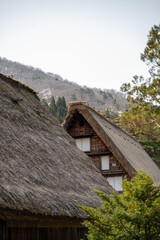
41	169
124	147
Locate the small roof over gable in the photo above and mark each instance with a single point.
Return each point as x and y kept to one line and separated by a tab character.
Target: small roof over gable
124	147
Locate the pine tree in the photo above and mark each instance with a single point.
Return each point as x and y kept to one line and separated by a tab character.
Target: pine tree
61	108
57	109
53	107
44	103
59	117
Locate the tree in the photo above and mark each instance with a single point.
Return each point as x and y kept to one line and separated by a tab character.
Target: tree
53	107
132	215
61	108
57	109
59	118
108	113
144	125
44	103
151	53
143	117
73	97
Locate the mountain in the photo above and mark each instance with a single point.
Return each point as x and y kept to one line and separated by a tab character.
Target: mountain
48	84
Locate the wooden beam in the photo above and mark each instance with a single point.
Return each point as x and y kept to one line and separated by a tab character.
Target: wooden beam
116	173
98	153
82	136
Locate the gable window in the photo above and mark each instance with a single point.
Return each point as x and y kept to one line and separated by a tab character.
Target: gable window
83	144
116	182
105	163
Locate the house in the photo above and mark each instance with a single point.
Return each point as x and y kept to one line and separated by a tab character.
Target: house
43	176
115	153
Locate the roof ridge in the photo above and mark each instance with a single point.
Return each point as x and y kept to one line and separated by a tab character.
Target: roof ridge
9	79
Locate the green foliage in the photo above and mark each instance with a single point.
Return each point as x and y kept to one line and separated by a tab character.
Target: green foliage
151	53
53	107
110	114
105	94
85	91
61	109
44	103
73	97
36	77
144	124
59	117
132	215
57	109
143	117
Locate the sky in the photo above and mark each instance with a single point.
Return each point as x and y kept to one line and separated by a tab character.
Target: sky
96	43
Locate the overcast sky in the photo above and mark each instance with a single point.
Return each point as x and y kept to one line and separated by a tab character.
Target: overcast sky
96	43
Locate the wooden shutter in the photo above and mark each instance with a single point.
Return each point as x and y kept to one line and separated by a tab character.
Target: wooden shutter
105	162
116	182
83	144
79	144
86	144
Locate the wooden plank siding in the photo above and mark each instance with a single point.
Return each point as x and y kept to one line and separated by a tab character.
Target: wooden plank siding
80	128
46	233
15	226
3	234
25	231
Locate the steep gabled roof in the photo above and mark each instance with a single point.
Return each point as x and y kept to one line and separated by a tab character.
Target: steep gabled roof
124	147
41	169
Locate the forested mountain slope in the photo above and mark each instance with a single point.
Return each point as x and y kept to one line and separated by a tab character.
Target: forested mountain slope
48	84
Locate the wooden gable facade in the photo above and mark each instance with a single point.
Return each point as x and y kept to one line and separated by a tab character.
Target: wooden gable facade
115	153
89	142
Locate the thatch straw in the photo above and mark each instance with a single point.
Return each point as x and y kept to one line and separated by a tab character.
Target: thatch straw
41	169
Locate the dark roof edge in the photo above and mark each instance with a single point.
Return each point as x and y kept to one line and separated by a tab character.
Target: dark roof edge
14	82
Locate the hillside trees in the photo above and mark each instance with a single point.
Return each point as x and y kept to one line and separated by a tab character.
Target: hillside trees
143	117
132	215
53	107
110	114
61	109
44	103
57	109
